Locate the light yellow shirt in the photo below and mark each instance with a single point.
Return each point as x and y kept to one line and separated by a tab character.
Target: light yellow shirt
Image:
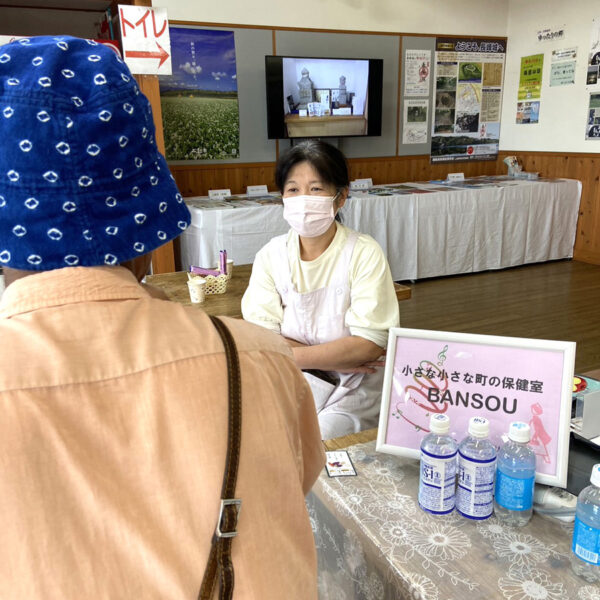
373	304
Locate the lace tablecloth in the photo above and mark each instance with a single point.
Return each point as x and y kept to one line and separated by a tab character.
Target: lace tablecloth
375	543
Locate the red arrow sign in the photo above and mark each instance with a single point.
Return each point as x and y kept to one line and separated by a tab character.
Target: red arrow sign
162	54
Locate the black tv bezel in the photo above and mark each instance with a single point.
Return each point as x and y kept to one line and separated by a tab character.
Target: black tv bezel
276	129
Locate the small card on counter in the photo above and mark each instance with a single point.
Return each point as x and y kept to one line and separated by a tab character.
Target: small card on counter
218	194
338	464
257	190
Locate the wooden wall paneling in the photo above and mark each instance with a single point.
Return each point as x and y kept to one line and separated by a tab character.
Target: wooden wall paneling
196	180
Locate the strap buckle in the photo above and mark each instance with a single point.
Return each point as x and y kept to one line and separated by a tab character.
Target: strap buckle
224	503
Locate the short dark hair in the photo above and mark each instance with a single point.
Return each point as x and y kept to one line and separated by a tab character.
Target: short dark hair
328	161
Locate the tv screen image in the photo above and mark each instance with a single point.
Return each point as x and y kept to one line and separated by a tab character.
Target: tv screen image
323	97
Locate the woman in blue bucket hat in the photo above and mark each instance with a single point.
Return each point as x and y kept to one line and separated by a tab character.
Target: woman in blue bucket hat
114	404
81	180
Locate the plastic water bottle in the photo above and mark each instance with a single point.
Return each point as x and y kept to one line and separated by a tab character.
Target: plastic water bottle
515	477
476	470
437	483
585	559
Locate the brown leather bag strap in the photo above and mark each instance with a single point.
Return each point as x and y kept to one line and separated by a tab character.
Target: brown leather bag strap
219	560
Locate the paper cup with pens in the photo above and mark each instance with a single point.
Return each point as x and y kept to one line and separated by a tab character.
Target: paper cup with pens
216	279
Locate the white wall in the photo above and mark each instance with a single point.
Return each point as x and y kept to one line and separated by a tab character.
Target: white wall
563	109
460	17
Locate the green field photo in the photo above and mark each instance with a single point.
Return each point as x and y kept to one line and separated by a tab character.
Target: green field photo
200	127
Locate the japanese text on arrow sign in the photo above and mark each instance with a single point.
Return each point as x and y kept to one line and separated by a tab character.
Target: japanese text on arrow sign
146	40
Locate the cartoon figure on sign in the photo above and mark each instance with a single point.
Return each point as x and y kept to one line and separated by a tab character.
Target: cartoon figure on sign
423	72
539	436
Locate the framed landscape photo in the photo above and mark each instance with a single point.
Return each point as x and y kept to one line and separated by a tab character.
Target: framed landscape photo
463	375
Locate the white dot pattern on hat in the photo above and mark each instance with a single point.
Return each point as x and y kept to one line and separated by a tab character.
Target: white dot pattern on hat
63	147
82	182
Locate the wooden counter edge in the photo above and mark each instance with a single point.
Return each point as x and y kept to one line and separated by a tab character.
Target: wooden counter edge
345	441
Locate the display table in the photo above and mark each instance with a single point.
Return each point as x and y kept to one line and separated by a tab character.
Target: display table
489	223
373	541
325	126
425	229
174	285
240	227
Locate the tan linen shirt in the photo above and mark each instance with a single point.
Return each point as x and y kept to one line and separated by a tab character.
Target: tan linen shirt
113	427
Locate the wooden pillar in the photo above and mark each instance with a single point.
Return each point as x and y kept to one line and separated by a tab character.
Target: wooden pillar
163	259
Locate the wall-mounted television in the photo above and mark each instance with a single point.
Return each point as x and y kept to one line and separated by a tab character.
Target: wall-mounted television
323	97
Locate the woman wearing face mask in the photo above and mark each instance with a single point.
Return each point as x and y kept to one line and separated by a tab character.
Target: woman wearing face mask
327	289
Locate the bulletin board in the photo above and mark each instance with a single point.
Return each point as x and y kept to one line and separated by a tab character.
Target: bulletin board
405	100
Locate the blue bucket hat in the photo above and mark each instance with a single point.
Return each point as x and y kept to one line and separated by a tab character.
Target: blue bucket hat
81	180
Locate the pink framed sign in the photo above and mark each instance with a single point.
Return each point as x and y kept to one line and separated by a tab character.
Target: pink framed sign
462	375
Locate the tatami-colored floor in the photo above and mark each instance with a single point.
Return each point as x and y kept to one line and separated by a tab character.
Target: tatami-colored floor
558	300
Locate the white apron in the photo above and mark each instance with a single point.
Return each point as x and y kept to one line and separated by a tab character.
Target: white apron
315	318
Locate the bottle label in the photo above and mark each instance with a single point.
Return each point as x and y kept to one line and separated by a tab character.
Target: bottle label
513	493
475	492
586	542
437	483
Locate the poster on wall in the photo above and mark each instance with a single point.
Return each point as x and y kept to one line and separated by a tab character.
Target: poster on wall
594	54
564	54
530	77
528	113
199	100
464	375
562	73
417	69
592	130
468	99
414	128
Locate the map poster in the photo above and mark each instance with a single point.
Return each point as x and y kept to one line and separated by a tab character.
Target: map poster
468	98
530	78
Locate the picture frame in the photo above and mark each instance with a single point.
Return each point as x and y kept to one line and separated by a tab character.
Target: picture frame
463	375
323	97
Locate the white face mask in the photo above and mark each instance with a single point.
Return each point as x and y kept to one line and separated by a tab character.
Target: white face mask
309	216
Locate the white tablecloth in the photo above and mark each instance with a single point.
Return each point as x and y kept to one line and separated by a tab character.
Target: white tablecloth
502	223
240	231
